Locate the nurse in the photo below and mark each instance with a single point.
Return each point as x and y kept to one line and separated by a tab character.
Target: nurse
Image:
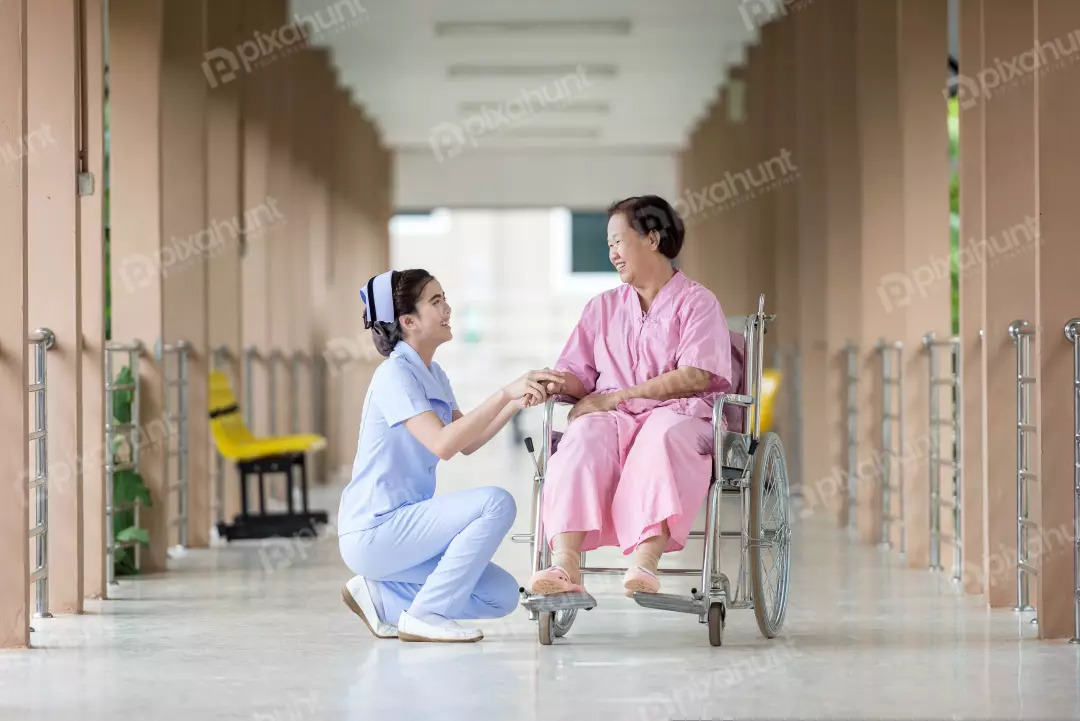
645	365
422	562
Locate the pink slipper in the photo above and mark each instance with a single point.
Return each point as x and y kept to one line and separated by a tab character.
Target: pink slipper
552	580
638	580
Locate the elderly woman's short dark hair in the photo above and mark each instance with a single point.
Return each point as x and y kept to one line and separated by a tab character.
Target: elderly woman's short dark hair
646	213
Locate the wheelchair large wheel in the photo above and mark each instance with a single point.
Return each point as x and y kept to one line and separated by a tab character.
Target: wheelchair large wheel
555	624
769	534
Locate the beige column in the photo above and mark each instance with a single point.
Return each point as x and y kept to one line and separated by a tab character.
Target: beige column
843	251
280	237
255	257
325	358
188	239
924	124
224	183
1011	273
972	306
882	258
304	131
92	239
812	250
343	227
728	212
54	262
783	110
1052	549
135	50
14	495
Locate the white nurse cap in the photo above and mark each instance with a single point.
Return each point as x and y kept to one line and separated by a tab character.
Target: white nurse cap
378	298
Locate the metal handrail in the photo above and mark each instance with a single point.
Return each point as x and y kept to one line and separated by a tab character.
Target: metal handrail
888	383
933	344
251	354
297	359
1072	332
180	349
851	351
273	359
42	341
220	356
114	432
1021	333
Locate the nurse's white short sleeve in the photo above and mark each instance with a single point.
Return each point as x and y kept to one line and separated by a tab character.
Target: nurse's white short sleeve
398	393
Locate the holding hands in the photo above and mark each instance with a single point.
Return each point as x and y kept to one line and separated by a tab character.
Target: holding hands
534	387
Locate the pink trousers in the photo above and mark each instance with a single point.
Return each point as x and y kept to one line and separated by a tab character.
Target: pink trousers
618	477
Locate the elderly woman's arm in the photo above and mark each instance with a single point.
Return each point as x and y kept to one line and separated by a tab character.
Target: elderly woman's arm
679	383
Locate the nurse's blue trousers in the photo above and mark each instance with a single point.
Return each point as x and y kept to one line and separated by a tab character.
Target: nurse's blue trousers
433	558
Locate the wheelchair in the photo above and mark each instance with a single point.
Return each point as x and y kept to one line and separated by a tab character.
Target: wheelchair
747	464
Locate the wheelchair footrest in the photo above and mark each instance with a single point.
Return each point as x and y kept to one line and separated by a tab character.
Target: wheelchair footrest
673	602
557	601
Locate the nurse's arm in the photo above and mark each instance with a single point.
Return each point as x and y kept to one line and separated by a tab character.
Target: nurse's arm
680	383
494	427
446	441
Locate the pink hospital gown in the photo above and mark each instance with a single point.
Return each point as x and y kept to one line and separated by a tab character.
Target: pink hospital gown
618	475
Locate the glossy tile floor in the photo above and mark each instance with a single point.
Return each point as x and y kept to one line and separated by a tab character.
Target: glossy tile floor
259	632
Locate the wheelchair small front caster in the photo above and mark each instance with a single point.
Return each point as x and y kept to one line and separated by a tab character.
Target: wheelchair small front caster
717	618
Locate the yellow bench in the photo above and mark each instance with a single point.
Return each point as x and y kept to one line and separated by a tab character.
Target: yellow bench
257	457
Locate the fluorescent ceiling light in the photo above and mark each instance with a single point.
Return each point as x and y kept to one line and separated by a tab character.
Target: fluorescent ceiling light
541	133
546	28
599	107
589	70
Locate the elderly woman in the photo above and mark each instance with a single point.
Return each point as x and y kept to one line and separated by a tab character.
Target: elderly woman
645	363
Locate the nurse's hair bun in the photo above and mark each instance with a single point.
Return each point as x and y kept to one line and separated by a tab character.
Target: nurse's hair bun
646	213
408	287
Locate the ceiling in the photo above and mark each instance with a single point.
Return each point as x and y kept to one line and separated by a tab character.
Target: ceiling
515	74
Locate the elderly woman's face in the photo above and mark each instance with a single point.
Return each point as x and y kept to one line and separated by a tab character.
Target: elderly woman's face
628	250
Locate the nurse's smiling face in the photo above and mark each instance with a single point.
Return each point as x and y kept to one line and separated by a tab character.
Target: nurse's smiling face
430	324
629	251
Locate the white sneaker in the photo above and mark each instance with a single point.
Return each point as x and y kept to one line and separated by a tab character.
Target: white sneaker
411	628
357	597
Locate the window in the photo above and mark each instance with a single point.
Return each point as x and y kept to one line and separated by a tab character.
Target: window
588	243
579	253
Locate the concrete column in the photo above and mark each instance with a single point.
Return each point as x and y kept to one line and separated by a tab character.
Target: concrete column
92	239
255	256
224	182
972	305
882	237
14	496
924	124
1053	548
188	241
780	43
813	269
1011	274
842	230
54	276
135	52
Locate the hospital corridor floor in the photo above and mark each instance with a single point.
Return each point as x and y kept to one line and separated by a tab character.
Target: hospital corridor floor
258	631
